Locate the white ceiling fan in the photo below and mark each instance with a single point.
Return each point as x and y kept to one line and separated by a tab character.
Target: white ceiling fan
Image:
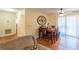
61	13
66	11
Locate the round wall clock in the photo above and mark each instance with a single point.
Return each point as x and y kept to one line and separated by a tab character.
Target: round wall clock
41	20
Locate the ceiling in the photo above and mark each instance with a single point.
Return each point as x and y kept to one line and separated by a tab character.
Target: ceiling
19	9
51	10
55	10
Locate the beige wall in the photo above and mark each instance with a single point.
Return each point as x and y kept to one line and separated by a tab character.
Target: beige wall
22	26
31	20
27	23
7	21
52	19
21	23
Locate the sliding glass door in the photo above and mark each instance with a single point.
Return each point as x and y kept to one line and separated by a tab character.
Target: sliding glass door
71	25
61	24
77	27
67	25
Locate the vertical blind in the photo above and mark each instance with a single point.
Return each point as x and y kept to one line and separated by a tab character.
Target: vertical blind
69	25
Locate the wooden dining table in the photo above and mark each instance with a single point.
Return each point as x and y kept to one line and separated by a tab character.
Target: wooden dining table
50	34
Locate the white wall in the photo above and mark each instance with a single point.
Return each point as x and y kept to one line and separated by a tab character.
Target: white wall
7	21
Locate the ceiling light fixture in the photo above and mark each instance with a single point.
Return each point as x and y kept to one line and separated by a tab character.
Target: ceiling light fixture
61	12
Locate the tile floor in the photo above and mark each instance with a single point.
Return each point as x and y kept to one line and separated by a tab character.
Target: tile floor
68	43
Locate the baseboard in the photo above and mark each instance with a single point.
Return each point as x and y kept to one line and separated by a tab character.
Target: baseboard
7	36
